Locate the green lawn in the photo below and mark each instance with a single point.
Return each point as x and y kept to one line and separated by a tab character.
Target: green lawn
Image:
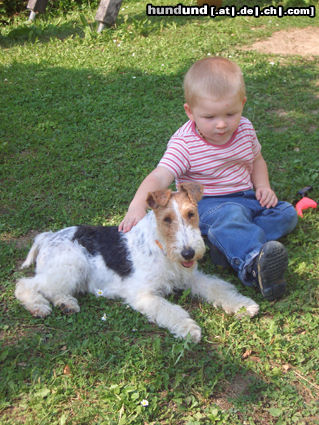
83	119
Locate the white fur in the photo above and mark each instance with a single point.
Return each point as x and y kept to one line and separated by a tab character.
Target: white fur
64	268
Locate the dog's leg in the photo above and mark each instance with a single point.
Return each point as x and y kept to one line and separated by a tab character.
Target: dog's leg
222	294
27	293
166	315
58	278
66	269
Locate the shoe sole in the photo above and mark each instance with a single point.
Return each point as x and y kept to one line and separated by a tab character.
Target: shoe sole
272	264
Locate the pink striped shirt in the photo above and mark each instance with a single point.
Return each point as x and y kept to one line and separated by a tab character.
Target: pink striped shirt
221	169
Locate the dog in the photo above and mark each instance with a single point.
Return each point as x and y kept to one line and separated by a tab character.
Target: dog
155	257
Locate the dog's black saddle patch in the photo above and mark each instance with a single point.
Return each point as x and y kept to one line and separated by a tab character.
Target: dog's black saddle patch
108	242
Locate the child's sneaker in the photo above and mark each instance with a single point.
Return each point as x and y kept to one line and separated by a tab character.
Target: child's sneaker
268	268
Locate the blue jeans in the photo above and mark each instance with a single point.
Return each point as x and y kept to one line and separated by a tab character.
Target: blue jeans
239	226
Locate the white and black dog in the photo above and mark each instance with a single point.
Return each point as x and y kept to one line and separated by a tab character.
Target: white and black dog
158	255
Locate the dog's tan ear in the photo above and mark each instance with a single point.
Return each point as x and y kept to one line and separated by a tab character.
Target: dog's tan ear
159	198
194	191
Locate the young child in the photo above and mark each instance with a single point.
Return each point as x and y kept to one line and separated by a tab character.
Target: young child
219	149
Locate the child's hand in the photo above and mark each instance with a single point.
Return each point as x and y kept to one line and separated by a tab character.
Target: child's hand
158	179
266	197
132	217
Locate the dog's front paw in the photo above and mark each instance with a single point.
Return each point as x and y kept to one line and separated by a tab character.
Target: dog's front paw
248	308
70	307
67	304
190	327
42	310
67	309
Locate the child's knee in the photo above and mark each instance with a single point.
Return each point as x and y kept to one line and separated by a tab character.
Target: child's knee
290	217
228	212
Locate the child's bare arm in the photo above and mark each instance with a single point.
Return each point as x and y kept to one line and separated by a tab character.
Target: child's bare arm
264	194
158	179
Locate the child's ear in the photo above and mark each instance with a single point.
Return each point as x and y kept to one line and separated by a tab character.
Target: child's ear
244	100
188	111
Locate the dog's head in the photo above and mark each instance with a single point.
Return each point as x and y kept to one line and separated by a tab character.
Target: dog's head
177	223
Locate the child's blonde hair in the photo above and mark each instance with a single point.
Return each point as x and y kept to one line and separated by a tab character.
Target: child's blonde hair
213	76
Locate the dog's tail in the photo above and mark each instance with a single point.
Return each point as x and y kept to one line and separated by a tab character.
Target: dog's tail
34	251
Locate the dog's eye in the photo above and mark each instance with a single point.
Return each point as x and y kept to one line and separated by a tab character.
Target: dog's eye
167	220
190	214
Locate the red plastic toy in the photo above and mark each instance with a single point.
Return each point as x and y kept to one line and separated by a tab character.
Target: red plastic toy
305	202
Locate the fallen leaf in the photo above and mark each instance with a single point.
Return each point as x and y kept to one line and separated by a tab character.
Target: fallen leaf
67	370
246	354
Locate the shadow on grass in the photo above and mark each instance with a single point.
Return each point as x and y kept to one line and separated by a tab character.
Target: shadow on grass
77	143
43	32
142	24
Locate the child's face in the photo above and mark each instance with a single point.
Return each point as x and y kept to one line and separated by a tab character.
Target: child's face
215	119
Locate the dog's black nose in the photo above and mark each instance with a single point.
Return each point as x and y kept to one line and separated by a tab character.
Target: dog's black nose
188	253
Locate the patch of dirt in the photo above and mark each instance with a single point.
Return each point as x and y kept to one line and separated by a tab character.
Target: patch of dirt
238	387
13	412
9	338
21	242
300	41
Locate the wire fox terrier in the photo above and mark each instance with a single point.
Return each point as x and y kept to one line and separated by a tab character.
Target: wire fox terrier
158	255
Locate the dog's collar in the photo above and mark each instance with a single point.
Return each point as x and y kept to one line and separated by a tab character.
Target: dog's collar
158	243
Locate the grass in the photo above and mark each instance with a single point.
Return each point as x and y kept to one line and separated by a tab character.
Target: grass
84	117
